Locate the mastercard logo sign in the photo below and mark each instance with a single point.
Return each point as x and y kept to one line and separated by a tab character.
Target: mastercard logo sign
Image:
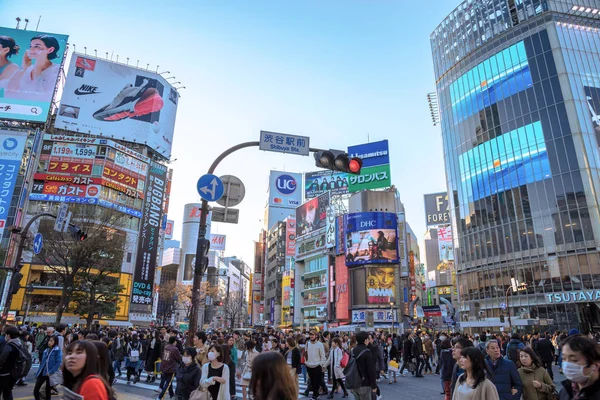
277	200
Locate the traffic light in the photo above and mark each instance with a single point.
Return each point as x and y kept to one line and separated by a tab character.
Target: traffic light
337	160
77	233
15	282
202	255
502	318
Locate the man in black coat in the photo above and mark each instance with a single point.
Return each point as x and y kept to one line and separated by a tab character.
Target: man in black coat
545	350
366	367
417	351
406	352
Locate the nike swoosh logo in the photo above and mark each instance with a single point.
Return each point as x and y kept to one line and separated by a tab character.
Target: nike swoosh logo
80	93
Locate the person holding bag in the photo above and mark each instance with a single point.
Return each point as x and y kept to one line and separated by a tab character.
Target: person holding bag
215	375
335	360
49	366
247	371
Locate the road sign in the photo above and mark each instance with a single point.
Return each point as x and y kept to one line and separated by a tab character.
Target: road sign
503	306
61	217
38	243
210	187
227	215
233	191
284	143
67	222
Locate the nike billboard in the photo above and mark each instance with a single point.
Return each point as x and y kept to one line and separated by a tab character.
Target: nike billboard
30	64
118	101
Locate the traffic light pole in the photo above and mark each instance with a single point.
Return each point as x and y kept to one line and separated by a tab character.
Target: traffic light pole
198	266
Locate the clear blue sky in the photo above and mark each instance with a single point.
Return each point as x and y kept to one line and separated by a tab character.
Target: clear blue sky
337	71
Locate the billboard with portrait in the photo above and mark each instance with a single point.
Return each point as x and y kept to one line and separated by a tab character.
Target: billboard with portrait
285	189
312	215
381	284
31	65
371	238
118	101
318	182
445	245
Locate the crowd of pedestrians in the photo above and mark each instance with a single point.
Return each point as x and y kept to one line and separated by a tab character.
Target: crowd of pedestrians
270	364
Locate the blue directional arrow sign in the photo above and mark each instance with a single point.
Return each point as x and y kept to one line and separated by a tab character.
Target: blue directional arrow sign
38	243
210	187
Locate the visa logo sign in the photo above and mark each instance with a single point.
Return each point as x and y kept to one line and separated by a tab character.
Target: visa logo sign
368	224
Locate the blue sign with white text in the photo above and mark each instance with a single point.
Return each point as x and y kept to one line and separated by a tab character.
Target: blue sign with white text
372	154
12	145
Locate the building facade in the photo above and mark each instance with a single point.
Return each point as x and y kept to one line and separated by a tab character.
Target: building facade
518	84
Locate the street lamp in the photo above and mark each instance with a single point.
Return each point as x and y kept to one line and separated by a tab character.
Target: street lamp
392	304
515	286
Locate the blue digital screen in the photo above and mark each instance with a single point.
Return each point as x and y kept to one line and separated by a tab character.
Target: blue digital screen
492	80
505	162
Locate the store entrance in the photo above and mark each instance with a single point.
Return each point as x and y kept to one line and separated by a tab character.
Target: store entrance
589	315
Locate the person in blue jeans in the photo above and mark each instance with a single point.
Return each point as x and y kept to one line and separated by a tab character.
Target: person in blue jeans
50	364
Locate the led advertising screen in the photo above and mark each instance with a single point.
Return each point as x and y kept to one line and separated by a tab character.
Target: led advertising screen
118	101
318	182
371	238
592	97
505	162
381	284
12	145
375	172
312	215
31	63
492	80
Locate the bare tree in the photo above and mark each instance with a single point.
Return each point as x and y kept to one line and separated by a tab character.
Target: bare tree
235	307
74	261
173	296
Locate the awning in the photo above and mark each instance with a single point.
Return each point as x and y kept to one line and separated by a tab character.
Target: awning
114	323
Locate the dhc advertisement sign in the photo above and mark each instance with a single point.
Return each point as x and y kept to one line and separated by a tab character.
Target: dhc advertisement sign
371	238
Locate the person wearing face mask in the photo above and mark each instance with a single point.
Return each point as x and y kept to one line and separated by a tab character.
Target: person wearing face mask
216	374
580	365
537	384
188	374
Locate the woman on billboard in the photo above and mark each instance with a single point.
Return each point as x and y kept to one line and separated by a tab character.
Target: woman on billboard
8	48
38	73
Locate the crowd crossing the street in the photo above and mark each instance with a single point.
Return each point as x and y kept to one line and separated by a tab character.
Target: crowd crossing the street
268	364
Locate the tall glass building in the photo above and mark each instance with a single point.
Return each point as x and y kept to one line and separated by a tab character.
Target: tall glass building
518	85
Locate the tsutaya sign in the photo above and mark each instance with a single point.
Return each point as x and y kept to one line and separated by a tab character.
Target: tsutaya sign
578	296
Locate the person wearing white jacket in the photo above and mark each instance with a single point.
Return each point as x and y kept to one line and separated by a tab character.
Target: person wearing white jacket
315	360
215	374
335	359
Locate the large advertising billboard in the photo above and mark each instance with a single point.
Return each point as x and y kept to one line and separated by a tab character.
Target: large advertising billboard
145	262
119	101
285	189
31	62
402	245
371	238
290	237
375	172
312	215
12	145
436	209
492	80
445	245
381	284
514	159
318	182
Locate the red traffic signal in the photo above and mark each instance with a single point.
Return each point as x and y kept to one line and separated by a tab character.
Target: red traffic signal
337	160
77	234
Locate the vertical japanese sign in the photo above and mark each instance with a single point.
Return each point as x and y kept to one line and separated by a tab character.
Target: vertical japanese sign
290	237
330	227
12	145
402	245
148	242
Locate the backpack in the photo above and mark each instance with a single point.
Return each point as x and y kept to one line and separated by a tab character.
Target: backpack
352	374
134	354
22	363
512	352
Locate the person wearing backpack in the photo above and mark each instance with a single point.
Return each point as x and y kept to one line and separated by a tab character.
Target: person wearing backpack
360	372
134	350
15	361
513	347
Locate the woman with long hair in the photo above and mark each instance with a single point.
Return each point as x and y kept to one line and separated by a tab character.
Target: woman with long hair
446	363
8	48
153	352
335	360
246	375
188	374
292	357
81	372
133	351
50	364
215	374
104	363
537	384
227	360
581	366
271	379
473	384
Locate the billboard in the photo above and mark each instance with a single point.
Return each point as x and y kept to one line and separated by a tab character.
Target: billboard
188	268
29	73
402	245
145	261
309	245
119	101
12	145
375	172
339	236
318	182
290	237
169	229
330	227
381	284
284	189
371	238
497	78
445	245
436	209
513	159
312	215
218	242
592	96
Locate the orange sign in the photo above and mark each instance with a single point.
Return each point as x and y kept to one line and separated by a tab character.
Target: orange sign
120	176
66	167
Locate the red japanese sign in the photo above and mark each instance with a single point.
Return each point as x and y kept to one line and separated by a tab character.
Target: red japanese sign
69	189
66	167
119	176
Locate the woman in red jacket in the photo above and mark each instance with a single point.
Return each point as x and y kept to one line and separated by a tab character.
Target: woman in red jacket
81	372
